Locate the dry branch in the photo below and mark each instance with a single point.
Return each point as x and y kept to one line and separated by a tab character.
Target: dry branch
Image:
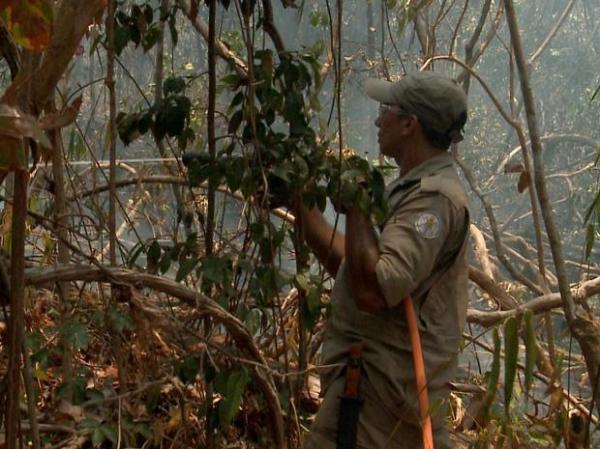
537	305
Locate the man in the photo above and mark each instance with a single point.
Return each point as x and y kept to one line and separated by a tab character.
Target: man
420	252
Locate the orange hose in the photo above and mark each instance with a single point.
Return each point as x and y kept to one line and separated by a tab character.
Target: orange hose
415	341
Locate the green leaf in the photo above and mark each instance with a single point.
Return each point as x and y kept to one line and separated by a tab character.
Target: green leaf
252	321
165	262
494	375
530	349
122	38
186	268
98	437
590	237
302	282
232	80
229	407
235	121
173	85
151	37
188	369
214	268
511	354
134	253
154	252
110	433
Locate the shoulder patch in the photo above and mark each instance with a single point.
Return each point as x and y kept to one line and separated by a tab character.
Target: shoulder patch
428	225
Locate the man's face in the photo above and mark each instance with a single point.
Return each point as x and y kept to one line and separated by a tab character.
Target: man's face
390	135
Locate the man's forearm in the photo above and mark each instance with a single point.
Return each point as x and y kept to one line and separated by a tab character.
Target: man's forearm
362	254
320	236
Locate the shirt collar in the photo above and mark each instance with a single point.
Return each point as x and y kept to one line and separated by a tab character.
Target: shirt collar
430	167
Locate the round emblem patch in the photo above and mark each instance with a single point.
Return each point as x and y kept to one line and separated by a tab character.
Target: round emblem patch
428	226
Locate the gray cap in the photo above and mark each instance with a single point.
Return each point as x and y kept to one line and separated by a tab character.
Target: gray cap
439	102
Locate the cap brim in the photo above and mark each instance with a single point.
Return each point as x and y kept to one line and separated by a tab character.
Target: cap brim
379	90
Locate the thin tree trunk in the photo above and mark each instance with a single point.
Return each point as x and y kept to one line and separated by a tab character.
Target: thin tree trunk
585	329
112	131
63	250
31	401
16	323
210	209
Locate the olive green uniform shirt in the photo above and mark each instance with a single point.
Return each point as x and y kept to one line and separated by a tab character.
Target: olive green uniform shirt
422	253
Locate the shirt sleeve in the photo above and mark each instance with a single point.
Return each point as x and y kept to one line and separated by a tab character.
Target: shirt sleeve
411	243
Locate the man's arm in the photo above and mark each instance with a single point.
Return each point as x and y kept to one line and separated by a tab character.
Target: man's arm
362	254
319	234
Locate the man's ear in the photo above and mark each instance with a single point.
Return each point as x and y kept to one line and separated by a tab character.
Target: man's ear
409	124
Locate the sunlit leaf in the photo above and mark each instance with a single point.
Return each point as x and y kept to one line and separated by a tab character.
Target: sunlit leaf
511	354
29	22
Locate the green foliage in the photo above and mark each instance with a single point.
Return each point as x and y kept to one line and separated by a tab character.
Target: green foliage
169	117
136	27
592	218
493	376
530	350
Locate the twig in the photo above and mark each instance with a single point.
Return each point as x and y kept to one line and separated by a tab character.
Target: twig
552	32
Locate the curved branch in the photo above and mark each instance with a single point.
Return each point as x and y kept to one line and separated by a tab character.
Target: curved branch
201	303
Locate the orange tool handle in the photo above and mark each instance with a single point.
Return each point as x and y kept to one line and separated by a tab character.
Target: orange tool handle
415	341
